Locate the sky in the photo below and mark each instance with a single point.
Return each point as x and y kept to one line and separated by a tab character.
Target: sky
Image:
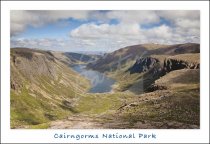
81	30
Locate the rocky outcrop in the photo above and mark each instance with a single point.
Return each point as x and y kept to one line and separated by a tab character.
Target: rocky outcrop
143	65
152	68
14	85
155	87
111	61
169	66
175	64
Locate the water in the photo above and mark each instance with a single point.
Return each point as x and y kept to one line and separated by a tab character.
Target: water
100	82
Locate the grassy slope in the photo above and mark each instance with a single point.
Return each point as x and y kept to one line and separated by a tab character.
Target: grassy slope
192	58
171	108
178	107
163	110
183	79
116	66
102	103
112	60
40	98
44	104
136	81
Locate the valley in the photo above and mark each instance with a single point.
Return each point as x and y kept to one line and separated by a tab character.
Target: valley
100	83
147	86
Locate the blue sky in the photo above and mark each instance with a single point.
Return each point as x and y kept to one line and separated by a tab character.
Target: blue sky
52	30
101	30
58	29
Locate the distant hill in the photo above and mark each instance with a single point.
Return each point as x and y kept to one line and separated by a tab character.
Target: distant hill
77	57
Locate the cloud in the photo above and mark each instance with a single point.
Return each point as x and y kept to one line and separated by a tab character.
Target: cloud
161	32
174	15
20	19
128	34
91	30
98	32
134	16
186	18
184	26
44	43
108	36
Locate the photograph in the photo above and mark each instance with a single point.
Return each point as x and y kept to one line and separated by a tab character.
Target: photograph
105	69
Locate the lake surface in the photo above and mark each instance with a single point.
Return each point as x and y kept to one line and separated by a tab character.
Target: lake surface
99	81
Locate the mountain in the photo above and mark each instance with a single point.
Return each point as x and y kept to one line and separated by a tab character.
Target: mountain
165	80
71	58
129	54
43	88
157	86
137	67
78	58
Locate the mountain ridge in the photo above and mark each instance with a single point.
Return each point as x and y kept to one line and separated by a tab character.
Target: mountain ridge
157	89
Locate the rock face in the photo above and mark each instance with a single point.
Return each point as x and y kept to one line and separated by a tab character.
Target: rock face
169	64
152	68
14	85
174	64
130	53
155	87
143	65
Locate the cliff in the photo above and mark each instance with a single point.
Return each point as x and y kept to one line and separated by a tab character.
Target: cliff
143	65
111	61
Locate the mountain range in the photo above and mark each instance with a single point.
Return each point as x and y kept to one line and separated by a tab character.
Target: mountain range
157	86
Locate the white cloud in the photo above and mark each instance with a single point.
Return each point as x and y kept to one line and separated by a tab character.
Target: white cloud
129	34
107	36
133	16
186	23
44	43
179	14
91	30
20	19
185	19
161	32
184	27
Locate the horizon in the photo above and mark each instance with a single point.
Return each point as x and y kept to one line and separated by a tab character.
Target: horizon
91	52
102	31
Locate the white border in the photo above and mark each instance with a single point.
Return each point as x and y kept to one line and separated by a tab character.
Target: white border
46	136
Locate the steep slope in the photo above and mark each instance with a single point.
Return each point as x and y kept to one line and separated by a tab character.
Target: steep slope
163	109
71	58
112	61
147	70
42	87
171	101
157	90
137	67
78	58
169	88
182	79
